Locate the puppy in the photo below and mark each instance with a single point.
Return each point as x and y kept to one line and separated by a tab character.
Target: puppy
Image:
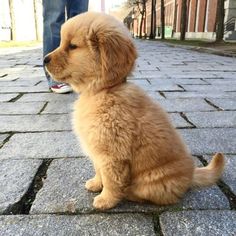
136	151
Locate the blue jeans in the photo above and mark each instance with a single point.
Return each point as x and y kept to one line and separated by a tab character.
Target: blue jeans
54	15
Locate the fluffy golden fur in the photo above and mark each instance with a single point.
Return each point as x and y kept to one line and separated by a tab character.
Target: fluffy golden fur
137	153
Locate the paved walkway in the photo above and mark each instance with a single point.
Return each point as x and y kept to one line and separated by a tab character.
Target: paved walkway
43	170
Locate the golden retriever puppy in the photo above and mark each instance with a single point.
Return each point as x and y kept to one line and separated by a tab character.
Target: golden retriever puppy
137	153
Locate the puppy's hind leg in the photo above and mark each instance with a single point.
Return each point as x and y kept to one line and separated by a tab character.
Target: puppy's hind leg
115	178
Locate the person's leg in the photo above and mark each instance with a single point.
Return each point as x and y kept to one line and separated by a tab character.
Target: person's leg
75	7
53	18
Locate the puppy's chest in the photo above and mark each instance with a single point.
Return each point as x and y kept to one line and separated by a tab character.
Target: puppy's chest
84	124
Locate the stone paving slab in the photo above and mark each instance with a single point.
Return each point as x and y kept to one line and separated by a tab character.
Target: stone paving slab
7	96
155	95
21	108
20	89
30	123
210	223
206	88
221	81
5	77
48	97
209	141
41	145
179	121
196	94
18	82
64	191
180	105
143	83
225	104
229	175
15	179
189	81
57	108
214	119
55	225
164	85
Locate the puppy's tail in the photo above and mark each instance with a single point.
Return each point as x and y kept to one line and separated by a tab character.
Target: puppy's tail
206	176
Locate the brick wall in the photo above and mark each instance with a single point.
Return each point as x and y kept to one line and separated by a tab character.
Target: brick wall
211	16
204	22
202	15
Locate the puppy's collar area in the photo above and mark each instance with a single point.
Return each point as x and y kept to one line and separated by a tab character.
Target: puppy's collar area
124	80
97	87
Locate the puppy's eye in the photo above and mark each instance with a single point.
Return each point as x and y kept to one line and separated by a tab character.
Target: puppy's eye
72	46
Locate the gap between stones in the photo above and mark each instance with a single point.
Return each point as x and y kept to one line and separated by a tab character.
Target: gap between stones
181	87
212	104
6	139
38	83
24	205
43	108
186	119
16	98
223	187
162	94
157	225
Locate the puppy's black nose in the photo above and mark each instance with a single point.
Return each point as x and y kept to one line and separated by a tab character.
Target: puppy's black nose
47	59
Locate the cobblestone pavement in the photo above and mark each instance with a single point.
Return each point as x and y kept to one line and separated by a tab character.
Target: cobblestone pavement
43	170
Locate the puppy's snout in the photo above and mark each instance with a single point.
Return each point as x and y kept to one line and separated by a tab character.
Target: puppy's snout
47	59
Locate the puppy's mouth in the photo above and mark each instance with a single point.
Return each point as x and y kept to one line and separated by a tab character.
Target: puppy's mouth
60	78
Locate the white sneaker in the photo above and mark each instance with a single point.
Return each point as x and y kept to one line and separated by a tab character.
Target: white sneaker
61	88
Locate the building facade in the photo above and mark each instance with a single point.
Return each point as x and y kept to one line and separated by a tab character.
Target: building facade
201	19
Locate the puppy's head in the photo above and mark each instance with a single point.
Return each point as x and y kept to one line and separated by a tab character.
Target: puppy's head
96	52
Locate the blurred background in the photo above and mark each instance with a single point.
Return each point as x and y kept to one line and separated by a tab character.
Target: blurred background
21	20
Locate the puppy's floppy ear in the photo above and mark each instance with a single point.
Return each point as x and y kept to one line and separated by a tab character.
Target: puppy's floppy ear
116	51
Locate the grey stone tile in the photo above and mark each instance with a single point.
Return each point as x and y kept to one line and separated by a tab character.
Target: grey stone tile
189	81
205	198
20	83
48	97
6	76
154	95
209	141
206	88
143	83
164	85
179	121
216	119
30	123
64	187
225	104
196	94
198	223
229	175
5	97
182	105
15	179
12	108
20	89
41	145
56	225
58	107
221	81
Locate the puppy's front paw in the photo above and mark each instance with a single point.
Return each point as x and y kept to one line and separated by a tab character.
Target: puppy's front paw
103	203
93	185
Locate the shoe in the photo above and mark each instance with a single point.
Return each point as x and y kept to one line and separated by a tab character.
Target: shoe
61	88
